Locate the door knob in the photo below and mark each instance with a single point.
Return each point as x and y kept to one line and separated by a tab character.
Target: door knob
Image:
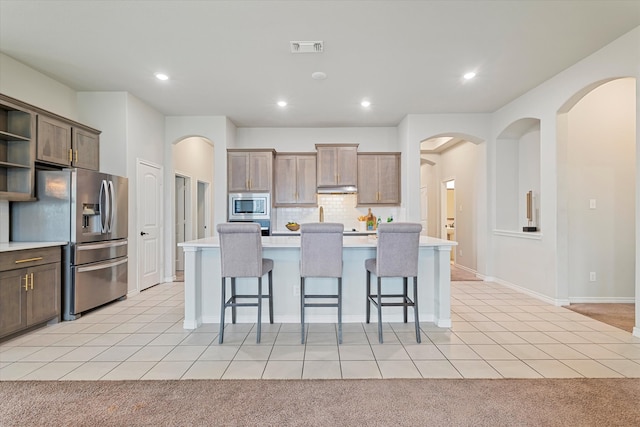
142	233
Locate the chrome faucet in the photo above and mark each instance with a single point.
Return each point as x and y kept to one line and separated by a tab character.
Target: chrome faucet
321	214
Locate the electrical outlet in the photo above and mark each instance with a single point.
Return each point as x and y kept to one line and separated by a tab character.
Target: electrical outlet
592	276
296	290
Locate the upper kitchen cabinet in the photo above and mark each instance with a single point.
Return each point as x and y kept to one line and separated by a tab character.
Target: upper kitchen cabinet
17	151
337	165
249	170
54	141
379	178
65	143
86	148
295	180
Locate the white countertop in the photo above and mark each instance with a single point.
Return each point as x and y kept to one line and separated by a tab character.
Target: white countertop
294	242
19	246
346	233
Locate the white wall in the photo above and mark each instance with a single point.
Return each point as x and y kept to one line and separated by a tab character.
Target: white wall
107	111
541	266
28	85
460	163
304	139
601	167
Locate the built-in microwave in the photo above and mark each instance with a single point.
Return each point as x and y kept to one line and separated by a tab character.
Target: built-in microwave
249	206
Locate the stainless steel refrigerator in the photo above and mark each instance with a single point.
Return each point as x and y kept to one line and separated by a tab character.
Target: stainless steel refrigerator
88	210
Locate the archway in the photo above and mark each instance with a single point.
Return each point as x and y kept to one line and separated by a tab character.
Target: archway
445	157
596	193
193	166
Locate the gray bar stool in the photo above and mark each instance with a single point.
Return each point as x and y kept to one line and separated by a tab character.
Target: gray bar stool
241	256
321	256
397	256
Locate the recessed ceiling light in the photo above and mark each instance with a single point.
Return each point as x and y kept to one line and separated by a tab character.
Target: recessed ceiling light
282	103
319	75
161	76
469	75
365	103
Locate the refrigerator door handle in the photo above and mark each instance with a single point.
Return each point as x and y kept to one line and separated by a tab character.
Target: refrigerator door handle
106	245
112	205
101	266
104	208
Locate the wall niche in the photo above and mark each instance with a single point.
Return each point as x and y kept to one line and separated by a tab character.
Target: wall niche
517	173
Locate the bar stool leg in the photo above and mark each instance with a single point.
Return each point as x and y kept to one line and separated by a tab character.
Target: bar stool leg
223	306
233	300
415	308
302	310
379	310
339	310
406	297
368	296
259	310
271	297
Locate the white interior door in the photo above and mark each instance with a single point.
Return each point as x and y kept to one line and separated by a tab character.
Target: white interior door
149	203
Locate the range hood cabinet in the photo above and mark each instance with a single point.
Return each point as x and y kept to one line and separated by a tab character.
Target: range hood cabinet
343	189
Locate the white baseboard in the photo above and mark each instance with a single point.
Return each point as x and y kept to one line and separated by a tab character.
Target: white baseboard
469	270
636	332
534	294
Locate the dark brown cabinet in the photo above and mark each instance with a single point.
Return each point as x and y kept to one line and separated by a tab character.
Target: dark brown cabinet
17	155
295	180
379	178
30	286
66	143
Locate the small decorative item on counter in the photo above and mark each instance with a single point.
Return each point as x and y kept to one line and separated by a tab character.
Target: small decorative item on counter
390	219
371	221
293	226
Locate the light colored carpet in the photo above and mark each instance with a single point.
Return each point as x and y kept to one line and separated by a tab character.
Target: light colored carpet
540	402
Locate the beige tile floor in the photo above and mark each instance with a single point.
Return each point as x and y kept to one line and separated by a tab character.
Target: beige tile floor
497	333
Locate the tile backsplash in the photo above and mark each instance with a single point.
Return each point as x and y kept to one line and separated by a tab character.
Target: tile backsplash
337	208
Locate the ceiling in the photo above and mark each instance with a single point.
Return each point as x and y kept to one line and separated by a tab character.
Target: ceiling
233	58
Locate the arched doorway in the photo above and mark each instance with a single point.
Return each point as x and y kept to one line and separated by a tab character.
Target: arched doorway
596	193
193	186
446	157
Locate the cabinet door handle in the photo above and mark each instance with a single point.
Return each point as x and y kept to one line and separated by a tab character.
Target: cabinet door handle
70	155
20	261
31	281
26	282
76	156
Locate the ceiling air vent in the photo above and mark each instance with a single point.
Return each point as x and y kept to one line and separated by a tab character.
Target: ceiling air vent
307	47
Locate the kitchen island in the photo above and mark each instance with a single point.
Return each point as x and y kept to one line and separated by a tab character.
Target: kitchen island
203	281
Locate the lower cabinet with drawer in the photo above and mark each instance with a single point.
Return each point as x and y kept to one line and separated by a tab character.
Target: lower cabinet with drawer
30	286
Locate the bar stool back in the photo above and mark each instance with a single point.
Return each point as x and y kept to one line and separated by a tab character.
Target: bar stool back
397	256
321	256
241	256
